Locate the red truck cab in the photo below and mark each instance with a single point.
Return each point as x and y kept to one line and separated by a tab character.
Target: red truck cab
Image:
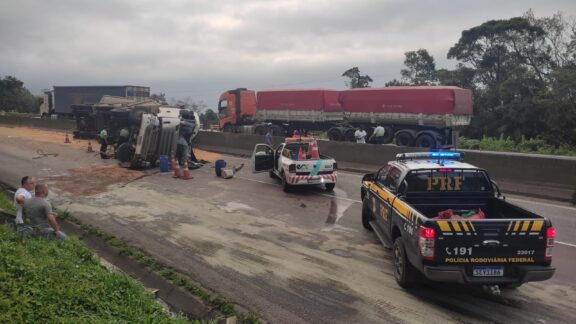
235	106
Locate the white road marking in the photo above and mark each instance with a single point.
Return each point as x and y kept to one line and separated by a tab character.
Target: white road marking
567	244
543	204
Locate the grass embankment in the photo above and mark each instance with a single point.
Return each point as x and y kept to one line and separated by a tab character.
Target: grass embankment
6	203
219	302
51	281
534	145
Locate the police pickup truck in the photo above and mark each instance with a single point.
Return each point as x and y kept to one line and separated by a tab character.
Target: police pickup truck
447	220
296	162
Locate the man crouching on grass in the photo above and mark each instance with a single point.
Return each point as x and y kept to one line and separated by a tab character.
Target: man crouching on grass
40	220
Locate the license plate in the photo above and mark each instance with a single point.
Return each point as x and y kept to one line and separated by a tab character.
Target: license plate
313	180
488	271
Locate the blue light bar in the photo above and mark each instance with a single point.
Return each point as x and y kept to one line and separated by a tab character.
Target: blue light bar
430	155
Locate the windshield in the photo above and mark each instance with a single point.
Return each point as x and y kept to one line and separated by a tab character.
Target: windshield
442	180
222	107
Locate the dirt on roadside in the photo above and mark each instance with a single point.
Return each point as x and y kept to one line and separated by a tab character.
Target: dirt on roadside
95	180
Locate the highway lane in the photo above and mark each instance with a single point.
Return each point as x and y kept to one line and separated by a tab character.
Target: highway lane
299	257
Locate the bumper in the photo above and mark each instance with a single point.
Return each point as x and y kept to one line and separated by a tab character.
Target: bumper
311	180
458	274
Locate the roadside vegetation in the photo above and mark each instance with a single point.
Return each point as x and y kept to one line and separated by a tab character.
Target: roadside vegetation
535	145
6	203
218	302
51	281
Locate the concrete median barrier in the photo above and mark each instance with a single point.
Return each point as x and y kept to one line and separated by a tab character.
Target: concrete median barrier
552	177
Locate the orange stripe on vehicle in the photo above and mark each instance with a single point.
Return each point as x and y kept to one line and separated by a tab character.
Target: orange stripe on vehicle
444	227
464	226
516	225
525	226
456	226
537	226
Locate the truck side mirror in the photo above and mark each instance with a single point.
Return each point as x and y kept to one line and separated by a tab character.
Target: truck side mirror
496	189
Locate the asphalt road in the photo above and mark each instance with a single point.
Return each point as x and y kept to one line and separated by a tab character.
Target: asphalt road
300	257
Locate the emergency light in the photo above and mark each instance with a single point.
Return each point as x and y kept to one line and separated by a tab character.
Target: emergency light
430	155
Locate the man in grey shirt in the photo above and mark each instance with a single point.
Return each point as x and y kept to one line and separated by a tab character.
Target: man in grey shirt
39	218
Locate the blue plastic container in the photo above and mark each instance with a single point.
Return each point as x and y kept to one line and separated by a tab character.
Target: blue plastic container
164	163
218	166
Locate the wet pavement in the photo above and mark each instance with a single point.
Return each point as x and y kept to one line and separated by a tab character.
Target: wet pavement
300	257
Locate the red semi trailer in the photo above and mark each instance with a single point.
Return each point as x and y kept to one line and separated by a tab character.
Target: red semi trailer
412	116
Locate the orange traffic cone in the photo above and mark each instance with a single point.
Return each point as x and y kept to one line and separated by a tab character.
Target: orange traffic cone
314	151
177	171
89	149
172	161
186	172
67	140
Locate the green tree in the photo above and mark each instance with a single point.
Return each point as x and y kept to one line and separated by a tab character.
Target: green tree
356	80
462	77
160	97
209	117
395	83
420	68
15	97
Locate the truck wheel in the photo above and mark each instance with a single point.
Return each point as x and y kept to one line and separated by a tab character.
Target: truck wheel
366	216
425	140
388	134
330	186
124	153
260	130
227	128
285	186
271	174
334	134
403	270
405	137
349	135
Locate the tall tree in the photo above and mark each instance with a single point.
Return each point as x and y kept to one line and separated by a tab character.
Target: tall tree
356	80
15	97
420	68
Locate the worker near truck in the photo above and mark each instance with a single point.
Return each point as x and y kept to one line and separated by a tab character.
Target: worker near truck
360	135
103	138
21	195
268	137
378	134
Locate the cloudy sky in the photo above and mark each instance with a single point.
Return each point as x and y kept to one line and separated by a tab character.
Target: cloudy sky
200	48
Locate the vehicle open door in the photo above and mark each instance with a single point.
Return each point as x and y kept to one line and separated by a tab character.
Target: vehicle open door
262	158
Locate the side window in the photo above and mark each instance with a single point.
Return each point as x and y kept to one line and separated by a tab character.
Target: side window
382	174
392	179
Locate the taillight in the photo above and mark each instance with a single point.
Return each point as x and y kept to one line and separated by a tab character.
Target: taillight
292	168
550	236
426	242
335	166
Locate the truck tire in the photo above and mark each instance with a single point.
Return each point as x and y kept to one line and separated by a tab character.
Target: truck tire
366	216
260	130
335	134
285	186
404	272
426	139
124	153
227	128
276	130
388	134
349	135
272	174
404	137
329	186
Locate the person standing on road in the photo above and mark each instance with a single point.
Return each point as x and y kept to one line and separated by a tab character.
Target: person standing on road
360	135
268	137
103	137
39	218
21	195
378	134
182	150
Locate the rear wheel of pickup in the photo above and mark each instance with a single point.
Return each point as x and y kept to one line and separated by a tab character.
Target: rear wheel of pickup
404	272
329	186
285	186
271	174
366	216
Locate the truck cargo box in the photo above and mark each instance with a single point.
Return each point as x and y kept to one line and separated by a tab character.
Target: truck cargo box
439	106
299	105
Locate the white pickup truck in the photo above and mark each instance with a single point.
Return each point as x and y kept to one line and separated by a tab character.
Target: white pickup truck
296	162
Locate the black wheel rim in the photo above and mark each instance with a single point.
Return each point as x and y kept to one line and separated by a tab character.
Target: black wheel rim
398	262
